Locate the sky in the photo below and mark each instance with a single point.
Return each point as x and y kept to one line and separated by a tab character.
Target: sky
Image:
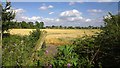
61	0
64	13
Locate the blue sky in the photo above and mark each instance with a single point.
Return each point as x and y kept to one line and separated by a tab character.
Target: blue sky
62	0
64	13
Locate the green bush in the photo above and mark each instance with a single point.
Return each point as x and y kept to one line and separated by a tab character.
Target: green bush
109	42
17	50
65	55
35	34
85	49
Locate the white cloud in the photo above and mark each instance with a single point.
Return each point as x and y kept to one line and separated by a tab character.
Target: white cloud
105	0
71	3
57	20
50	6
71	13
28	19
80	1
34	18
73	17
21	17
51	12
95	10
45	7
19	10
19	13
48	19
88	20
66	18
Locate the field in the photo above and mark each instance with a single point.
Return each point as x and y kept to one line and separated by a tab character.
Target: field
59	36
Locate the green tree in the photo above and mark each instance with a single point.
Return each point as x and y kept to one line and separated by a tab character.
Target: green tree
7	16
31	25
24	24
41	25
37	24
0	17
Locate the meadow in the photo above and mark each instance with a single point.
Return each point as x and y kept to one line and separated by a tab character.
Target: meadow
58	36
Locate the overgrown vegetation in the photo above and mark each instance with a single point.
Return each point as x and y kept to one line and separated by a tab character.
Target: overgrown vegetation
18	50
64	56
109	42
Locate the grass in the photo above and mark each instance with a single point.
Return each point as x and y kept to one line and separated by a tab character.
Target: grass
59	36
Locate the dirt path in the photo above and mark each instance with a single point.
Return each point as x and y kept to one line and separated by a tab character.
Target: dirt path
52	49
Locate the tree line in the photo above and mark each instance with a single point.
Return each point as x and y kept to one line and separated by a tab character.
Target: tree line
72	27
40	25
28	25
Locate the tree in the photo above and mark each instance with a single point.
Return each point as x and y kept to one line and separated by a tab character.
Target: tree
60	27
41	25
0	16
24	24
31	25
7	16
37	24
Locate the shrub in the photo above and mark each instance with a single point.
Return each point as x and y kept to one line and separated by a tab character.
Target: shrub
65	56
17	50
85	49
109	42
35	34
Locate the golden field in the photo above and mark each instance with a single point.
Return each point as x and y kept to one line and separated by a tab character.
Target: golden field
58	36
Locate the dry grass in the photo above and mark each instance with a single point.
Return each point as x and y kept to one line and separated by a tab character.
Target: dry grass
20	31
59	36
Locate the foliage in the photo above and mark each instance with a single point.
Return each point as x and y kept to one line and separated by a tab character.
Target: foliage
85	48
7	16
102	50
27	25
35	34
72	27
39	25
44	58
109	42
64	56
17	50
